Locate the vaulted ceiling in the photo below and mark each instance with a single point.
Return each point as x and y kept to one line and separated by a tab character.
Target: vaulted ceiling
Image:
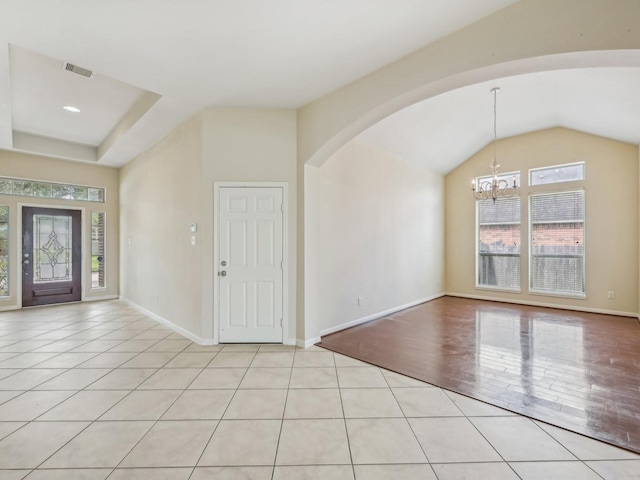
155	63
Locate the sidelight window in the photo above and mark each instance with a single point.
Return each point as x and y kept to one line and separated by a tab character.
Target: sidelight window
97	249
4	251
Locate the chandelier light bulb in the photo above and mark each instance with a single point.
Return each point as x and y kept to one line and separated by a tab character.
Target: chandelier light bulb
496	187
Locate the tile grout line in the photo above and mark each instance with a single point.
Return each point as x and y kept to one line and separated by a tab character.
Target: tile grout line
89	422
344	417
247	369
221	415
284	409
66	443
428	462
154	422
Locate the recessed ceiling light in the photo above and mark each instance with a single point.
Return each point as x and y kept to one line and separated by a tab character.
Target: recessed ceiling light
71	108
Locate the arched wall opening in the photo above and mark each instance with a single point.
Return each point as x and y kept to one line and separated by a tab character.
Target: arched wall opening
321	185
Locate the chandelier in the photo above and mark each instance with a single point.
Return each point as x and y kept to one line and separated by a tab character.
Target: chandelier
494	187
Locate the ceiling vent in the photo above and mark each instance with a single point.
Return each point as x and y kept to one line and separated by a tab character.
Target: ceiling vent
70	67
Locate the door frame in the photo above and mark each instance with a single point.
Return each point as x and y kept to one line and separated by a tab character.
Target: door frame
83	236
285	251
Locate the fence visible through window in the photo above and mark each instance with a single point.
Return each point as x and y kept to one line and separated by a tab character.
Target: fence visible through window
499	243
557	243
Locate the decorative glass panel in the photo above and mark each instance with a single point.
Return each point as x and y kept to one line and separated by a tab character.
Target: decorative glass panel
96	194
28	188
42	189
63	191
22	187
52	241
557	174
97	249
4	251
80	193
6	186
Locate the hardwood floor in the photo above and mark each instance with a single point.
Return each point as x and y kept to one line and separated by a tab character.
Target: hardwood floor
579	371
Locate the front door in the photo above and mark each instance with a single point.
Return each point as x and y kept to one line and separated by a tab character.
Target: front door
51	256
250	269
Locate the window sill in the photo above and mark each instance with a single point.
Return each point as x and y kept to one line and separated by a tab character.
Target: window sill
498	289
578	296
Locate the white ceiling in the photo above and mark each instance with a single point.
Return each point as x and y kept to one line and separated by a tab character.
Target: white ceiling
442	132
158	62
204	53
39	88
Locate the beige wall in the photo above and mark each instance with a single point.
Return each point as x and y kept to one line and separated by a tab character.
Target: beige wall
161	195
172	186
529	36
248	145
611	240
33	167
380	236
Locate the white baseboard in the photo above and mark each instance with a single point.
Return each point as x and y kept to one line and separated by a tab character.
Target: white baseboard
307	343
103	297
375	316
171	325
547	305
8	308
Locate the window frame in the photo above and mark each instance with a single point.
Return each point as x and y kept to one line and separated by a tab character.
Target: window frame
13	180
496	288
549	192
104	248
571	164
8	294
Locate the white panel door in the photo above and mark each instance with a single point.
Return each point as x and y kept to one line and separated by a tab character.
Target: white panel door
250	270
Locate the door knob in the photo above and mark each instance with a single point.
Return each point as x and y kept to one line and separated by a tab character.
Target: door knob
223	273
26	262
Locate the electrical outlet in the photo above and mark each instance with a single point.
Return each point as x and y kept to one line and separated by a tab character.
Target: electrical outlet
611	295
360	301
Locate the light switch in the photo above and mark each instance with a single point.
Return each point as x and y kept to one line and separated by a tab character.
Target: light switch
194	227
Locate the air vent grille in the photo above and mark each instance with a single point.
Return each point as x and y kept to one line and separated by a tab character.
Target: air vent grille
70	67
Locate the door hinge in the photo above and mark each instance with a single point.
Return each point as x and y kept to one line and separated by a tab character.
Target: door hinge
281	322
282	207
281	264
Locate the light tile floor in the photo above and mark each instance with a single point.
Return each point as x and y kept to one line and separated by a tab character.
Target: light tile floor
97	390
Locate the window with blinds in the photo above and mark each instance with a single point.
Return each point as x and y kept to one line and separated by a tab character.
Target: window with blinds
498	258
557	243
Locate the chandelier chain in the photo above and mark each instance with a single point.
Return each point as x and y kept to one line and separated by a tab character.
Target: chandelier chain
495	187
495	124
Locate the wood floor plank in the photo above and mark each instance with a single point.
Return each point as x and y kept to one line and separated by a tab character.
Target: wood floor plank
575	370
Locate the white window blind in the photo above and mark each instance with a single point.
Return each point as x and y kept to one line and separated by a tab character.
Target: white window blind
557	243
4	250
498	262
